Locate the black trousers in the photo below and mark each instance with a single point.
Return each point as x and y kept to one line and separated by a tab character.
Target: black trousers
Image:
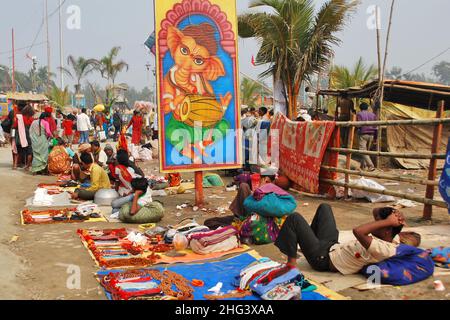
116	132
315	241
85	195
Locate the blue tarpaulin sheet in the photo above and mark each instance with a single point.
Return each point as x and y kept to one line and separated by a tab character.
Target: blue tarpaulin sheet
213	272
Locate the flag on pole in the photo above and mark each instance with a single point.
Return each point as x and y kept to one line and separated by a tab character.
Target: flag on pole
253	61
151	42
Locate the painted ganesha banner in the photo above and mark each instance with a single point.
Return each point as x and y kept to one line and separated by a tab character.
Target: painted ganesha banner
197	74
302	147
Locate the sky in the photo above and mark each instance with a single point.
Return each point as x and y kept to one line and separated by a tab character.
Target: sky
419	33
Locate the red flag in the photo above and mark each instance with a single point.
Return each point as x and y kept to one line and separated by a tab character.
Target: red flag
253	61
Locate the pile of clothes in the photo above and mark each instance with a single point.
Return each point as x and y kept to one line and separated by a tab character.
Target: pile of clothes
273	281
220	240
202	240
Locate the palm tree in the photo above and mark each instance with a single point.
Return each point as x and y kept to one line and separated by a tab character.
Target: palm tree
81	67
295	41
41	79
342	77
60	98
249	92
109	68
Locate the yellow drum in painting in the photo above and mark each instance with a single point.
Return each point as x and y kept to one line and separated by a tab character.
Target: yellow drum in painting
204	109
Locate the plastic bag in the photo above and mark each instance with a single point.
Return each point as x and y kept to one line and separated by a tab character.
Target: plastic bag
180	242
360	194
145	154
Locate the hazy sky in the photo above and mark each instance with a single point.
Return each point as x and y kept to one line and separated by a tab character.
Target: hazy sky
420	31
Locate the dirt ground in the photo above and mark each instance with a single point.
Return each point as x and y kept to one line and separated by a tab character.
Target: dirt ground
39	264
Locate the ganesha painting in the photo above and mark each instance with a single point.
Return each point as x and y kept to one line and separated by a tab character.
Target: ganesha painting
197	74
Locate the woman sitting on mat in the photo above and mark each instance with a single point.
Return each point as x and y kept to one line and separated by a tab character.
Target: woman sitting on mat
376	241
140	208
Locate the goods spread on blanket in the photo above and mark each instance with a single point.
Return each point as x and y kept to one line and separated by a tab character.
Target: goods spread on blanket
203	281
122	248
302	149
68	215
273	281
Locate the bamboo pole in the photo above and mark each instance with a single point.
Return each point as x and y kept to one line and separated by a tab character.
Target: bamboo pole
432	202
348	161
382	176
199	196
393	122
383	71
432	171
390	154
398	86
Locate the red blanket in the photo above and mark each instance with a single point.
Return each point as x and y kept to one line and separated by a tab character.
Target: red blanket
302	150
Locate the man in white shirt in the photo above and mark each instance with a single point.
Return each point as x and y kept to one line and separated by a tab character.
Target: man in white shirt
376	241
100	157
83	126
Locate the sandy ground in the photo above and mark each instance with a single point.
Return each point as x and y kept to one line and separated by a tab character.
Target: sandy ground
42	262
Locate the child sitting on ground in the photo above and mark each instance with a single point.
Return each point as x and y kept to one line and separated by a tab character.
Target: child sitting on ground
139	207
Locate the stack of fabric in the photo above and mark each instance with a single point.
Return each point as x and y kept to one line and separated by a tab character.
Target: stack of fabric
220	240
273	281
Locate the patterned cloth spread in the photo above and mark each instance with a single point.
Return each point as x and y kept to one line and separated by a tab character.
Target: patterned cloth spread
261	230
441	257
269	279
302	149
444	183
408	266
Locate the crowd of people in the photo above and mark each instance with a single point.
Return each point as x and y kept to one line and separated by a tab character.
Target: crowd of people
44	143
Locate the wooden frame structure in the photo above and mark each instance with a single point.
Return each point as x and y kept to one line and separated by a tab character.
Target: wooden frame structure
434	155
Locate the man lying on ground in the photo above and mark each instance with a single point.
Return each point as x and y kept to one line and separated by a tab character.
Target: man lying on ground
376	241
99	178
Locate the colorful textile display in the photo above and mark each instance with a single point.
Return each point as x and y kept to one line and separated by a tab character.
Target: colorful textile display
112	249
441	257
408	266
220	240
209	274
198	87
273	281
261	230
147	284
302	149
444	183
68	215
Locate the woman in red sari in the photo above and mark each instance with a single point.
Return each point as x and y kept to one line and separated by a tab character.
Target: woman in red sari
137	122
